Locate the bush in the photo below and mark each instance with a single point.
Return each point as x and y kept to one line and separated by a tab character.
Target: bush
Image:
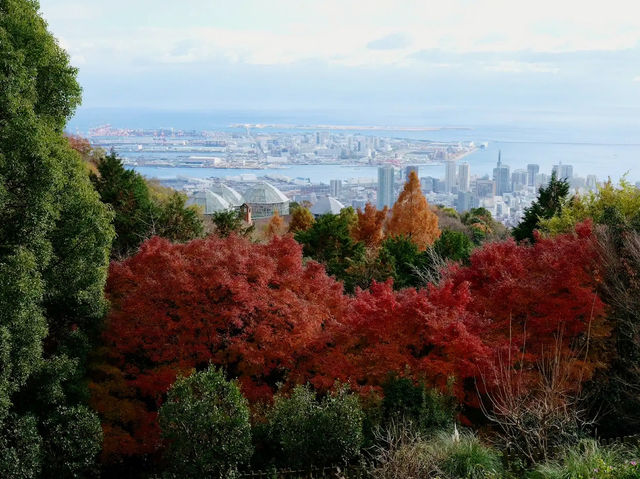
205	422
426	409
407	454
308	431
589	460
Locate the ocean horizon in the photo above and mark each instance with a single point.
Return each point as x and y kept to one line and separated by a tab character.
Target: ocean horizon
605	144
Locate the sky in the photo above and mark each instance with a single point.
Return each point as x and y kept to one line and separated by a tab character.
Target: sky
574	57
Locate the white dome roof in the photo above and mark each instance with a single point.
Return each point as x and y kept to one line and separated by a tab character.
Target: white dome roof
211	202
264	193
229	194
325	205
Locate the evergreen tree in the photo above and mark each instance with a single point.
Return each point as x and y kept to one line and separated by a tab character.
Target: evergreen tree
548	204
54	245
141	212
225	223
405	258
329	241
453	245
127	194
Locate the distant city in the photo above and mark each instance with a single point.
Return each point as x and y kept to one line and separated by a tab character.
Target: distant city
248	154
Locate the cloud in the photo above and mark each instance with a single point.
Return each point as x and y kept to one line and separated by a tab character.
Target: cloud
521	67
637	79
394	41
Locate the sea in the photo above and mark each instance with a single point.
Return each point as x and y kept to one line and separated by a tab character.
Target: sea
605	142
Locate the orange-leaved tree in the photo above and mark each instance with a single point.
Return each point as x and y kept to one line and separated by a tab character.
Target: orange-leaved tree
412	217
370	226
275	227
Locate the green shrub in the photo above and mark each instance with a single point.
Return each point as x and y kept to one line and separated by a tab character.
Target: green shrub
407	454
205	422
308	431
589	460
425	408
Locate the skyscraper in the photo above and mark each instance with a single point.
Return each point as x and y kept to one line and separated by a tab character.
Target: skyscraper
563	172
465	201
408	170
464	181
502	177
485	188
532	171
450	176
519	179
385	187
335	188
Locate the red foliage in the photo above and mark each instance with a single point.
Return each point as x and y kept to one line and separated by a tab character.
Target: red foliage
534	297
251	308
256	310
427	334
519	298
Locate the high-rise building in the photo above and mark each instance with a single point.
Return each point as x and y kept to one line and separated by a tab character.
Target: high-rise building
532	171
385	186
592	182
439	186
427	184
450	176
464	180
563	172
335	188
502	177
466	201
485	188
519	179
542	179
408	170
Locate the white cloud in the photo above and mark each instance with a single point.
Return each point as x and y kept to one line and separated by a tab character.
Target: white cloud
521	67
334	31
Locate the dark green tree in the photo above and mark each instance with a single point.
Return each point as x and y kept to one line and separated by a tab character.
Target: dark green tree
481	226
405	259
205	421
549	203
329	241
227	222
54	246
128	195
138	213
453	245
175	220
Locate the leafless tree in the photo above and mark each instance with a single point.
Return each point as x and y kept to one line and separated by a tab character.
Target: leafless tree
537	406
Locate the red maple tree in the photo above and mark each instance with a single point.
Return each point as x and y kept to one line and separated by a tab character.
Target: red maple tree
251	308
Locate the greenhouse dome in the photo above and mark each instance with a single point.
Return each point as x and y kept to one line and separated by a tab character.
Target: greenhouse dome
209	201
264	199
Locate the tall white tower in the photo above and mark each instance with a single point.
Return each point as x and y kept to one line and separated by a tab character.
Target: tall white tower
464	180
